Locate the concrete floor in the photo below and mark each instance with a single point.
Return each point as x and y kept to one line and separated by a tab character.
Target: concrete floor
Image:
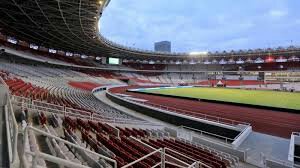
258	144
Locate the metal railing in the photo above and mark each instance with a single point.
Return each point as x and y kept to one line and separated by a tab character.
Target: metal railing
11	129
63	162
296	133
195	164
227	155
48	107
192	130
163	154
227	140
38	154
160	151
283	163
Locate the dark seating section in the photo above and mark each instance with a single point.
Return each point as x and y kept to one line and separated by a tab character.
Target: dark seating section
132	132
72	60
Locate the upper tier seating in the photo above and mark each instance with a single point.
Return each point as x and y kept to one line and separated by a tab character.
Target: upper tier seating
41	84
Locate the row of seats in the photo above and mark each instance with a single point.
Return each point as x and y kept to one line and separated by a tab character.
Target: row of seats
124	150
195	153
58	92
67	152
123	145
99	136
132	132
20	88
88	139
119	148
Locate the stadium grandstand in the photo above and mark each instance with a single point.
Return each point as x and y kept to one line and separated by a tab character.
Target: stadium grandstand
70	97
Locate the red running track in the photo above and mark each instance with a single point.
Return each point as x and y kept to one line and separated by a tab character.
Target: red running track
270	122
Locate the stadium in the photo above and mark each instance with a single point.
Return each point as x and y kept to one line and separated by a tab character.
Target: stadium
70	97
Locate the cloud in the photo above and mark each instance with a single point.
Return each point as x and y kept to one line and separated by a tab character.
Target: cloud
278	13
201	24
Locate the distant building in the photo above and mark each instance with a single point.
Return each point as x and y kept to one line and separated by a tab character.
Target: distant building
162	46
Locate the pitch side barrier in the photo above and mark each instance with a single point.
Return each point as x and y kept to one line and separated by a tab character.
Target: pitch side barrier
187	112
228	133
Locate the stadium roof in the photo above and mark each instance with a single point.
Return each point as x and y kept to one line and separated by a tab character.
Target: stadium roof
68	25
72	26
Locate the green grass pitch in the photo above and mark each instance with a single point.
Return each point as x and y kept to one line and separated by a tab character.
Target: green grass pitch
277	99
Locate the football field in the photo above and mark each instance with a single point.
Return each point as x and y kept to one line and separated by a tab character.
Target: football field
276	99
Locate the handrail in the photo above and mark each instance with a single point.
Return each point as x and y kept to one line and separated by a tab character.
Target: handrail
163	161
54	159
298	157
68	109
71	111
11	128
206	116
212	134
57	160
160	150
55	105
226	138
209	148
15	126
296	133
171	150
95	118
135	139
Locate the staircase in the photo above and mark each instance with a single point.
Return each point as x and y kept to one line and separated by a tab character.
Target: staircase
43	146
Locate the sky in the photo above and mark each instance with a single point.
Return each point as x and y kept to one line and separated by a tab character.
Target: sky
202	25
